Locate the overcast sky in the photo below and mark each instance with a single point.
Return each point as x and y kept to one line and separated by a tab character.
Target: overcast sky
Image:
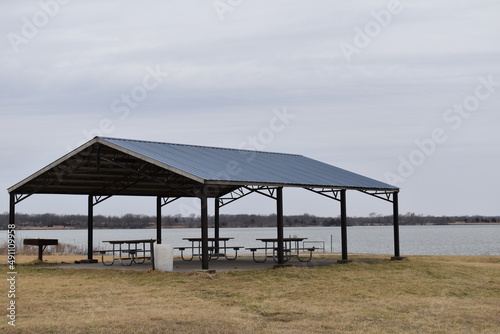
406	92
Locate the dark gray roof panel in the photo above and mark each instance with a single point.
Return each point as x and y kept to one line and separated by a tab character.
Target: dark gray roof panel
243	166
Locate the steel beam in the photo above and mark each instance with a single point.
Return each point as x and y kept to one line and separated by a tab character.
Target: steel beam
12	211
245	191
90	227
139	172
330	193
384	195
20	197
397	254
160	203
100	199
168	200
233	196
217	224
343	224
204	230
58	173
158	219
281	258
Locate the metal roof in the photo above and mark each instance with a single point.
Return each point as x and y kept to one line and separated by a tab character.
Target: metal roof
110	166
242	166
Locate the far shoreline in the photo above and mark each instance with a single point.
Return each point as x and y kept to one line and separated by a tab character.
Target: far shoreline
183	227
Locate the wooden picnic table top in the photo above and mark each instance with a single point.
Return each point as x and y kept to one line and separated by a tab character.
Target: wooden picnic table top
284	239
209	239
40	242
116	242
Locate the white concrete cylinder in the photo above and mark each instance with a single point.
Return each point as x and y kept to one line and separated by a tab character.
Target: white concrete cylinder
164	257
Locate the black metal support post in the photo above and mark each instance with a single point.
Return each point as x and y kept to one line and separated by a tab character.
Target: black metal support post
158	220
281	258
343	225
396	224
395	203
204	230
217	224
90	227
12	210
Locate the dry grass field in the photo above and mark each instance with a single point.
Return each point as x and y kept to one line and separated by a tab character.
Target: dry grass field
424	294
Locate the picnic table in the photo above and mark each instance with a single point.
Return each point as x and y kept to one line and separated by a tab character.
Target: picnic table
217	248
42	244
291	248
129	251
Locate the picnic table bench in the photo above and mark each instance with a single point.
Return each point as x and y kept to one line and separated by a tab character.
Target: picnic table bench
291	249
215	249
135	251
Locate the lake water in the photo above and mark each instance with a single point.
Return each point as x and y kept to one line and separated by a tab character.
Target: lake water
414	240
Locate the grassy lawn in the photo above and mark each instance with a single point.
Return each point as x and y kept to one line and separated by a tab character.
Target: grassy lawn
425	294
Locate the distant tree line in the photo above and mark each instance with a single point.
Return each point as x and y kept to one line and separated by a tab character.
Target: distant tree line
132	221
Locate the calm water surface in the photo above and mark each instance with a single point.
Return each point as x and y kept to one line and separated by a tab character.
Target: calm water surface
414	240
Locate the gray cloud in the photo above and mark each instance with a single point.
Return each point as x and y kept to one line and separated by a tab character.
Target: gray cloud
225	77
